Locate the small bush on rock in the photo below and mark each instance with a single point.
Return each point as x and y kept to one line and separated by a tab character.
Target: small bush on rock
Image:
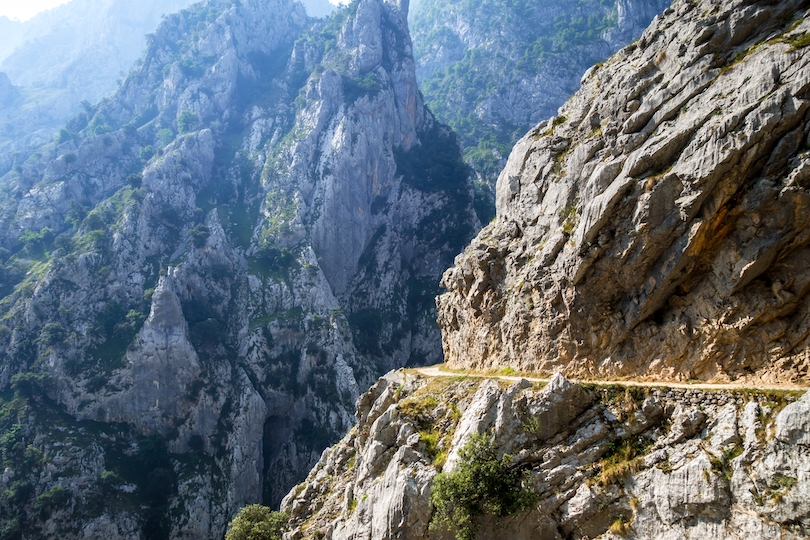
481	484
257	522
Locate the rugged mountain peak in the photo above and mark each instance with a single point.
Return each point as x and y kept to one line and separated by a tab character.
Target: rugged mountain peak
656	226
375	101
149	392
223	254
166	313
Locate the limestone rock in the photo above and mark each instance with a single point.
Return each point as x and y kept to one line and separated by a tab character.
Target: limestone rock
793	423
655	226
218	258
683	474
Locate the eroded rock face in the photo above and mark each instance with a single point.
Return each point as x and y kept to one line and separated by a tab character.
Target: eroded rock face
643	462
658	226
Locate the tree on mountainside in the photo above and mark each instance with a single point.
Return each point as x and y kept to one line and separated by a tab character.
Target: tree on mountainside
257	522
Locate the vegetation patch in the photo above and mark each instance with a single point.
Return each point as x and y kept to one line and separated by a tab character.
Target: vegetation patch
257	522
620	525
368	85
722	465
779	486
570	219
481	485
800	41
625	457
419	408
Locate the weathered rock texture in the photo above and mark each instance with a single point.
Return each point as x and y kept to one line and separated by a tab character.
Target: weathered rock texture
221	256
607	462
659	225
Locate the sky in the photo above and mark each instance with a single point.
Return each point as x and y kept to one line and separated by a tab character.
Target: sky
23	10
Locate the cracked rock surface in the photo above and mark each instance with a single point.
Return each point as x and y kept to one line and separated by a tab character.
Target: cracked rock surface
658	225
643	462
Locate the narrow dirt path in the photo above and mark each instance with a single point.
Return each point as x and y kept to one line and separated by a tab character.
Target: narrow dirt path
437	371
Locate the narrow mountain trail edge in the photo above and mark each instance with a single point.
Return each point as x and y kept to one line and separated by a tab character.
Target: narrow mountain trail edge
439	371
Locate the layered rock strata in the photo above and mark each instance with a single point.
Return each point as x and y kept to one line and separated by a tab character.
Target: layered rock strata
658	225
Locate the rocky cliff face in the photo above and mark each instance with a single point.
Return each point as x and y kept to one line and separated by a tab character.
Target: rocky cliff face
607	462
493	69
203	275
656	226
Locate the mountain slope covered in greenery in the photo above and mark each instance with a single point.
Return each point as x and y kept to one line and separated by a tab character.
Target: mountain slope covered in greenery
492	69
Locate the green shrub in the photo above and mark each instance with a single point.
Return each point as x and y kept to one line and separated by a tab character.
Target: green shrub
354	89
36	242
186	121
64	136
257	522
18	492
99	125
76	213
29	384
481	484
146	153
52	499
98	219
51	334
191	68
135	180
199	234
64	241
165	136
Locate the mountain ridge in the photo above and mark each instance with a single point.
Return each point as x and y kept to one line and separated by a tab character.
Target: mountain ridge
210	265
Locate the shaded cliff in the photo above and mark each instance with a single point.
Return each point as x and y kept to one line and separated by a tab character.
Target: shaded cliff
658	225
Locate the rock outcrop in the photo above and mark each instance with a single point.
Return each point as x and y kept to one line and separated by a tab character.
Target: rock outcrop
658	225
607	462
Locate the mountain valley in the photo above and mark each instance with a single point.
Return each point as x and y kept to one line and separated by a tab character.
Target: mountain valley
204	272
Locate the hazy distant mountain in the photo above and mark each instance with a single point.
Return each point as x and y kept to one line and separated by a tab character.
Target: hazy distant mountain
12	32
90	45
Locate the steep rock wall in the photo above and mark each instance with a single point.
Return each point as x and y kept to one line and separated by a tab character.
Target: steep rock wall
658	225
202	277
